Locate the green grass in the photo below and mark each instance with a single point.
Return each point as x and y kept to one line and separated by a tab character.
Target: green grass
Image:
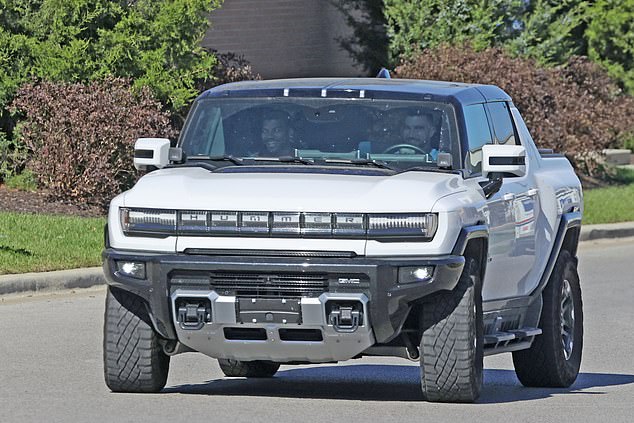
24	181
37	243
609	205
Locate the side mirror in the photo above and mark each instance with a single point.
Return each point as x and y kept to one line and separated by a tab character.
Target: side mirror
503	159
154	152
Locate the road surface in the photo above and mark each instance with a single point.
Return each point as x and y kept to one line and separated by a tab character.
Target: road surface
51	370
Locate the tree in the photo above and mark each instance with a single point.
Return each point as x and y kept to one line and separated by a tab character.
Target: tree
154	42
610	38
550	31
368	42
415	25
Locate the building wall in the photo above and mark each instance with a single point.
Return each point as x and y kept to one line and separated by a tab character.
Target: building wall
283	38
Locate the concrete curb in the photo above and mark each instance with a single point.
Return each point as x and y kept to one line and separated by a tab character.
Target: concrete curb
85	278
51	281
608	230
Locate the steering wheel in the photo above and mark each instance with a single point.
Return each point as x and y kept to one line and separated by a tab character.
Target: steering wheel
397	147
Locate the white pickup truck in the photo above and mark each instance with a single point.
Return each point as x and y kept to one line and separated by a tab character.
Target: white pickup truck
319	220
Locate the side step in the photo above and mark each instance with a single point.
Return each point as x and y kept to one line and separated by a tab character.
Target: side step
511	340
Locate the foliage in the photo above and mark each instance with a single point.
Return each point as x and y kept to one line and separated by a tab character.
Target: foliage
24	181
13	156
610	37
368	42
38	243
576	109
231	68
548	31
551	31
156	43
81	137
415	25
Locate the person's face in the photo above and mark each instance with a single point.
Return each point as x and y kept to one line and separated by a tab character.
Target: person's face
275	136
417	130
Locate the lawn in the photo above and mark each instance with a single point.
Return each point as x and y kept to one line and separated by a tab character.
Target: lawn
609	205
36	243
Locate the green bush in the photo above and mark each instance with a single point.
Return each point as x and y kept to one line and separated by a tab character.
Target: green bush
156	43
13	156
611	40
24	181
81	136
548	31
414	25
575	109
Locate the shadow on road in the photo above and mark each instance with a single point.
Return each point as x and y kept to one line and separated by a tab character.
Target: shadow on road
385	383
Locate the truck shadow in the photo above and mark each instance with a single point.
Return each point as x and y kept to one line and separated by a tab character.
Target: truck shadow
386	383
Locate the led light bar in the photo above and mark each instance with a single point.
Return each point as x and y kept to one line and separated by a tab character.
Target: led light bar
422	225
148	221
383	227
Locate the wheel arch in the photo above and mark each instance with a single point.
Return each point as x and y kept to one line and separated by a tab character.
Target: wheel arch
473	241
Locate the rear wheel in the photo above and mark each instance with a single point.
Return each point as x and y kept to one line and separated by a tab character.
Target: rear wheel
554	358
451	346
133	358
258	368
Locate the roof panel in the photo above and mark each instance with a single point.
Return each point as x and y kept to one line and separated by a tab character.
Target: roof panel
382	88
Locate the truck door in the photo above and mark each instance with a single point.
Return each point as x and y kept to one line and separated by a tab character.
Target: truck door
511	269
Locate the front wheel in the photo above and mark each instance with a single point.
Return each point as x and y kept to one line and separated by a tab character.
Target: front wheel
451	346
133	358
258	368
554	358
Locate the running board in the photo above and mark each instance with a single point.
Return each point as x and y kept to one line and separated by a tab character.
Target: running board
511	340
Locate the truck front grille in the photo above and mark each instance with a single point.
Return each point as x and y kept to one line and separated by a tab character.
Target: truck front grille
269	285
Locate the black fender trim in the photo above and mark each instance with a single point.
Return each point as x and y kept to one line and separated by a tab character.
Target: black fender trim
568	221
467	234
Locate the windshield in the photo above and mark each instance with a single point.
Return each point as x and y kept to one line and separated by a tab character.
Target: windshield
399	134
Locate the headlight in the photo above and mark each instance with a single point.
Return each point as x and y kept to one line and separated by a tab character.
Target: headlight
148	221
397	226
384	227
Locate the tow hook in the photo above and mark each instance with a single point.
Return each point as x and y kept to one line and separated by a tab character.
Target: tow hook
345	317
193	314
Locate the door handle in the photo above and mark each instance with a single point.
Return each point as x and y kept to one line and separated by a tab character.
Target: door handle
532	192
508	197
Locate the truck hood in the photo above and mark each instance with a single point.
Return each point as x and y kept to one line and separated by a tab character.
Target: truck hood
199	189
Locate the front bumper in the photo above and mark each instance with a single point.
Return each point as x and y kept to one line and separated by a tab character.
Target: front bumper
372	282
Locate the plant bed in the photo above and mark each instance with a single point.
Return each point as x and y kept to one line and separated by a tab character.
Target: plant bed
38	202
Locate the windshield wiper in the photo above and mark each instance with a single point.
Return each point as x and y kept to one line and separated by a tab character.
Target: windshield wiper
224	157
429	169
362	162
284	159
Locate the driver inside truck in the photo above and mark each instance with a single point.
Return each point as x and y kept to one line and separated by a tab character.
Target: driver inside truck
276	134
419	131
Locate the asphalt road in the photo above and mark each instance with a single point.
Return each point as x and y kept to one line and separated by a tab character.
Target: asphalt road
51	370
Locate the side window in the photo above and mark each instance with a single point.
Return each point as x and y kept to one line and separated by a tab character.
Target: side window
478	134
502	123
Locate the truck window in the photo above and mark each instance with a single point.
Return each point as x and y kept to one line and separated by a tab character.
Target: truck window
478	134
502	123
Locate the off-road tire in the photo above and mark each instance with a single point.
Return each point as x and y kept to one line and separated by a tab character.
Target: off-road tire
545	363
451	346
258	368
133	358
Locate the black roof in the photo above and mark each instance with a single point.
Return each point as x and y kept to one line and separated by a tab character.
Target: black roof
378	88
